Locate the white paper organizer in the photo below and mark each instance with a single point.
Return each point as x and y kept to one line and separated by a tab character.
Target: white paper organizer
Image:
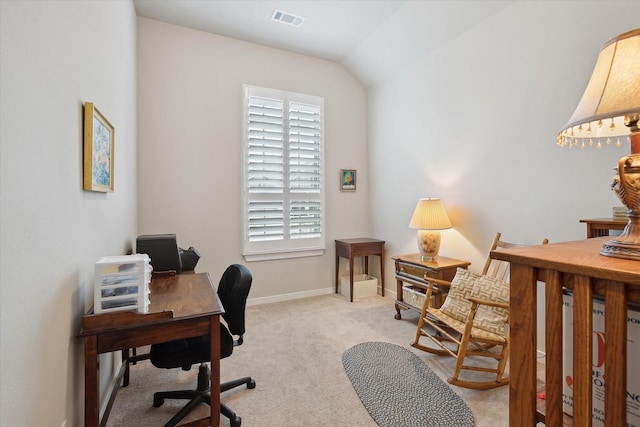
122	283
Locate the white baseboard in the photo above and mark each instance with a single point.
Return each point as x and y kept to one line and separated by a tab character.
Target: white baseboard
288	297
298	295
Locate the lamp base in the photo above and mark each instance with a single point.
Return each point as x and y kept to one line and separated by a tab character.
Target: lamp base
428	244
626	185
627	245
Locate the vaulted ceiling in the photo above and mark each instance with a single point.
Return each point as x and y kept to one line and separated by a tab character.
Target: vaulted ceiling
371	38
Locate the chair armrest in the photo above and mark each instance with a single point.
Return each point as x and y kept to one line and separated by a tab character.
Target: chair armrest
438	282
475	302
442	284
431	282
480	301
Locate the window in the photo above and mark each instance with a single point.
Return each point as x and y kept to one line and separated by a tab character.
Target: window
283	174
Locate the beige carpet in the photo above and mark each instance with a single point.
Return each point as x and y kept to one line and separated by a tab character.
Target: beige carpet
293	350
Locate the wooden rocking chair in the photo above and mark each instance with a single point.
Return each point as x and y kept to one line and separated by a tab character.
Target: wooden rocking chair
473	321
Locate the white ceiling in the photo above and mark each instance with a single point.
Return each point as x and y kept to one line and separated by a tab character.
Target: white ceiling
371	38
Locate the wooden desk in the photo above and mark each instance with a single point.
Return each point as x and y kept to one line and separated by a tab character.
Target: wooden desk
351	248
599	227
181	306
578	266
410	269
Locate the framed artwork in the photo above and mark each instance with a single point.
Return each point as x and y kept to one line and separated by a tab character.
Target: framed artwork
347	180
98	151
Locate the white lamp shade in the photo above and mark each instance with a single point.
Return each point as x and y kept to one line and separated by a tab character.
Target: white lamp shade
429	214
613	92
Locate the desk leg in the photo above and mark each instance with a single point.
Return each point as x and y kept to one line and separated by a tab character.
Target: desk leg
215	371
125	362
91	411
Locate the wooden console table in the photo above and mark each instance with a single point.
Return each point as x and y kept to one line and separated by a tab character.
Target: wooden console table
181	306
580	267
410	269
599	227
351	248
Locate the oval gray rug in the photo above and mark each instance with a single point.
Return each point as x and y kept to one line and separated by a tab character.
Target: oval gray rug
399	390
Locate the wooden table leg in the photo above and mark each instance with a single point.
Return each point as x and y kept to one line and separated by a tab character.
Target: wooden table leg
522	371
399	297
582	351
615	325
91	411
337	267
351	277
553	365
382	268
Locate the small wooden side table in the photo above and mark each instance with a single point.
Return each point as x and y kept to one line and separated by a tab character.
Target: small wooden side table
599	227
351	248
410	269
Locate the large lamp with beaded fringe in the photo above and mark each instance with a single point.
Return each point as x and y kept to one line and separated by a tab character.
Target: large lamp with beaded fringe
608	113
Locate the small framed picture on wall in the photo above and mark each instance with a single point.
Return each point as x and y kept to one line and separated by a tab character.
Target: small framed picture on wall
347	180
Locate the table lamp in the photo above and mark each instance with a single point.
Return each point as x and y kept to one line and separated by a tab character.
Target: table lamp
429	217
609	111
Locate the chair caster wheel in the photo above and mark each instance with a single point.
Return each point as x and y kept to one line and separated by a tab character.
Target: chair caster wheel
235	422
157	402
251	384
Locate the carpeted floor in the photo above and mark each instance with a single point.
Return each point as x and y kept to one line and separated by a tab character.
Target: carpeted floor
294	350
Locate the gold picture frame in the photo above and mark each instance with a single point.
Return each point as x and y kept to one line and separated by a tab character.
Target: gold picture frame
98	151
348	180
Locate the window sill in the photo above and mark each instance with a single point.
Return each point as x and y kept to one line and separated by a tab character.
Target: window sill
283	255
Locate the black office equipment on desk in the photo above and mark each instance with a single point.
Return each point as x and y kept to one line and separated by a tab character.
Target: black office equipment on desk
162	249
189	258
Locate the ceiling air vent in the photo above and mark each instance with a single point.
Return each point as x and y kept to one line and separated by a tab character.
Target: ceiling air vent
287	18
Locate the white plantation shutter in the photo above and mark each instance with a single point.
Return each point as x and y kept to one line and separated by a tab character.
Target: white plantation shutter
283	174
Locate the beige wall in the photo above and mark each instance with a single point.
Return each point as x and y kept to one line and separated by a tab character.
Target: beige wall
190	146
475	123
55	56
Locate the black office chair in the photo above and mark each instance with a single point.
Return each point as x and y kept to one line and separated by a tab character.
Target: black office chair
233	291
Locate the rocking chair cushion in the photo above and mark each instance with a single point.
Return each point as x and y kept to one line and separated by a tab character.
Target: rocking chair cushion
456	304
467	284
489	318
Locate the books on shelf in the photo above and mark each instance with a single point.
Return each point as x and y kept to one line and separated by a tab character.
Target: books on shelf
122	283
620	213
632	396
